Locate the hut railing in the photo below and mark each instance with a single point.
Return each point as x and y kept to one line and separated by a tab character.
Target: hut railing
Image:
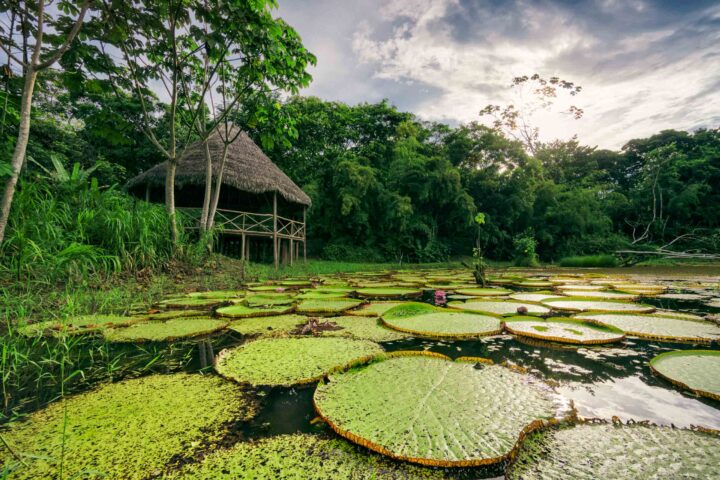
253	224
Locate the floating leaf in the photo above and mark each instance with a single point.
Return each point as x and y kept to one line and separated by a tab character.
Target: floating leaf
427	409
268	299
500	308
388	292
167	331
242	311
291	361
374	309
579	304
189	302
600	294
324	307
658	327
366	328
483	292
695	370
533	297
218	294
427	321
605	451
129	430
273	325
170	314
563	330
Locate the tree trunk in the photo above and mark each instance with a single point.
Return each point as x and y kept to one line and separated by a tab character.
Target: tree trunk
18	158
170	198
218	185
204	223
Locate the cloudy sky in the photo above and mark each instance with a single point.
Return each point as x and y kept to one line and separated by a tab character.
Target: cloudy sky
644	65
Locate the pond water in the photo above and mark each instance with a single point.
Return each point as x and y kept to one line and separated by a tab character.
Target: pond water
601	381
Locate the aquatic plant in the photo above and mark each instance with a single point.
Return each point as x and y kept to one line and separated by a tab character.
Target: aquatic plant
193	302
426	320
165	331
449	413
500	307
218	294
563	330
128	430
291	361
591	451
242	311
694	370
483	292
366	328
324	307
273	325
388	292
582	304
657	327
374	309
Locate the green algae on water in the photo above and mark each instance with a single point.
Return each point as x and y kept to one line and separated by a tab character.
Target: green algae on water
127	430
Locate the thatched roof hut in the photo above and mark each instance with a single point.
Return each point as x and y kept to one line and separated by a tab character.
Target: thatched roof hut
247	169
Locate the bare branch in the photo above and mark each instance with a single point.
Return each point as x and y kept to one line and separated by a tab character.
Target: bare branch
55	56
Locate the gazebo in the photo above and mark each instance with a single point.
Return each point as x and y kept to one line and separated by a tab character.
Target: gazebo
254	190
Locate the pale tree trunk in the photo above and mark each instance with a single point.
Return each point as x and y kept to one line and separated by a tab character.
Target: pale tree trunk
170	198
18	158
208	188
218	185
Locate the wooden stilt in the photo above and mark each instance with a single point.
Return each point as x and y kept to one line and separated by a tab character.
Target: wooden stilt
147	193
292	251
275	238
242	248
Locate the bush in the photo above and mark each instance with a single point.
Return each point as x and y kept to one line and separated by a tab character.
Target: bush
350	253
524	254
587	261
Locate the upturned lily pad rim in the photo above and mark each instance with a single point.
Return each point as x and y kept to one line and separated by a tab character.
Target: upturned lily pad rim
642	308
632	333
653	363
531	427
571	321
444	335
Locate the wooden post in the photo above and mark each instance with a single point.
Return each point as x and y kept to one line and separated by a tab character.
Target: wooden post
242	248
147	192
305	234
275	238
292	250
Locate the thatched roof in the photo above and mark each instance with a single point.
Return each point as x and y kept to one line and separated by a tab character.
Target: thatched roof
247	168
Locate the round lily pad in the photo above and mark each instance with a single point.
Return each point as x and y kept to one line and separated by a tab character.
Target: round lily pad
274	325
170	314
129	430
581	288
366	328
269	299
242	311
430	410
267	288
374	309
533	284
576	304
695	370
291	361
563	330
388	292
218	294
325	307
483	292
533	297
79	324
425	320
500	308
658	327
191	302
321	295
293	457
605	451
600	294
165	331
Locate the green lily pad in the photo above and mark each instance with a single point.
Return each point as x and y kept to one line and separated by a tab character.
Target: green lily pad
601	295
170	314
425	320
78	325
326	307
563	330
658	327
293	457
388	292
578	304
499	307
167	331
581	288
269	299
321	295
218	294
268	288
291	361
533	297
374	309
533	284
623	452
190	302
366	328
483	292
275	325
242	311
695	370
129	430
430	410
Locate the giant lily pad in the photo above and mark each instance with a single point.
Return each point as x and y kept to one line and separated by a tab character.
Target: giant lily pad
563	330
533	297
79	324
129	430
242	311
324	307
425	320
604	451
577	304
269	299
170	314
293	457
374	309
500	308
273	325
192	302
695	370
483	292
291	361
167	331
367	328
218	294
388	292
430	410
658	327
600	294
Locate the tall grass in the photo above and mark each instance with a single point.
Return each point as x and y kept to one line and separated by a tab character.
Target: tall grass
589	261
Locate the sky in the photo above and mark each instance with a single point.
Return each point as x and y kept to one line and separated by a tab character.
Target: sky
643	65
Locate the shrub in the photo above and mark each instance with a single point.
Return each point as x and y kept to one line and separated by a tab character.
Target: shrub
524	254
350	253
590	261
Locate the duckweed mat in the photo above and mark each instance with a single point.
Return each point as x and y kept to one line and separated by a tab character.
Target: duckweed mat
291	361
622	452
129	430
430	410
